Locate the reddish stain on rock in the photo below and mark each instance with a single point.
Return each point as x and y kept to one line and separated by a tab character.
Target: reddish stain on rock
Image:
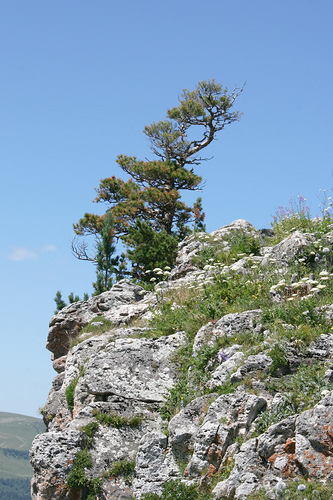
289	446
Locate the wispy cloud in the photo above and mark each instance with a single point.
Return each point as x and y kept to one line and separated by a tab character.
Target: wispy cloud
48	248
24	253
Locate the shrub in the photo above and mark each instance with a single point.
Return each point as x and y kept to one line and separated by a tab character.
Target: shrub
70	390
124	468
116	420
77	477
279	359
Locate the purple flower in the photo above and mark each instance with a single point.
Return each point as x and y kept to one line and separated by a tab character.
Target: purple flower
223	356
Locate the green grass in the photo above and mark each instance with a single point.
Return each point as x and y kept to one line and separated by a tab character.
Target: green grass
70	390
116	420
93	328
175	490
313	490
124	468
16	435
302	390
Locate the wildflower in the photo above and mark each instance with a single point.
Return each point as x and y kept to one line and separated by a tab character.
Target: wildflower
321	286
223	356
301	487
182	402
152	279
326	250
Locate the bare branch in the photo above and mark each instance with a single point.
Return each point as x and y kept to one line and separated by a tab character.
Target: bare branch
80	250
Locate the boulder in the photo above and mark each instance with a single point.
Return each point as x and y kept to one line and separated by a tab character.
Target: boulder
227	326
123	303
288	249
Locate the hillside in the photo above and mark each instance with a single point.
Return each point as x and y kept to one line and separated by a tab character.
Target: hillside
18	431
16	435
217	382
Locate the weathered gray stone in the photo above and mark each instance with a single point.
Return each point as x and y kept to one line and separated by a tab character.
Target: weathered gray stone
253	364
228	326
226	417
123	303
236	225
288	249
123	373
133	368
223	371
314	439
184	426
154	464
276	436
52	455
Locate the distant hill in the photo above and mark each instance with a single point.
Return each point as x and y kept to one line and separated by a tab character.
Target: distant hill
18	431
16	435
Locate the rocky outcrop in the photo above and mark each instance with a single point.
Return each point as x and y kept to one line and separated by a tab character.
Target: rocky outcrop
228	326
110	433
288	249
123	304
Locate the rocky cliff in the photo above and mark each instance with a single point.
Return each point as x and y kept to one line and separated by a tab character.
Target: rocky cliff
215	384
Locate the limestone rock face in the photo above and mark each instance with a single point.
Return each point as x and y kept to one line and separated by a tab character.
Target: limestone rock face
118	397
228	326
289	248
120	305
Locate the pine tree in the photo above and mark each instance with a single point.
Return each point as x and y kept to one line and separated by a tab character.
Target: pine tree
149	202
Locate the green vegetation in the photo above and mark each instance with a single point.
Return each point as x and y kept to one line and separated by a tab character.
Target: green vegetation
77	477
15	489
60	303
146	211
235	245
301	389
300	490
124	468
90	431
116	420
297	320
97	326
70	390
296	217
176	490
17	433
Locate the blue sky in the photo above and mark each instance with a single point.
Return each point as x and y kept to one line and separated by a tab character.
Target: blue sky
79	81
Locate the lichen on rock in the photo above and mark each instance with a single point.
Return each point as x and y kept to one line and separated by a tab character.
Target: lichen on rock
246	378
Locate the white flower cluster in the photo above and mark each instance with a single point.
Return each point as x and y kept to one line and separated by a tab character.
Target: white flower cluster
159	272
305	287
